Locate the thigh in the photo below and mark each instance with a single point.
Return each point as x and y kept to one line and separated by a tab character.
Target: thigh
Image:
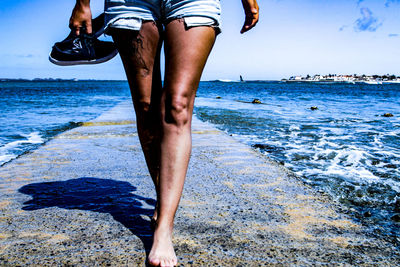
186	53
140	51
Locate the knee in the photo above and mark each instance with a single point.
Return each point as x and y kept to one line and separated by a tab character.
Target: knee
143	105
177	111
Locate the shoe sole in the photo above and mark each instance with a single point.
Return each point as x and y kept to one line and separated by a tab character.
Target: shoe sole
83	62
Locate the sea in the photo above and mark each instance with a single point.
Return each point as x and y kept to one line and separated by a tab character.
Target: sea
341	139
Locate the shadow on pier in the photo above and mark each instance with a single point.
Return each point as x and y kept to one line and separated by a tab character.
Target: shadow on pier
99	195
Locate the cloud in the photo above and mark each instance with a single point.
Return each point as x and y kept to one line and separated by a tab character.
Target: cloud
394	35
388	2
367	22
24	56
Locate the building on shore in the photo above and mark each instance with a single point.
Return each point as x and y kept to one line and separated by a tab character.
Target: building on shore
335	78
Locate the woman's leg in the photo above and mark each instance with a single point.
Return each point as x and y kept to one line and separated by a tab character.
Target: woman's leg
140	54
186	52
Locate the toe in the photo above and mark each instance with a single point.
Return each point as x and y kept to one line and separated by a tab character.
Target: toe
163	263
154	262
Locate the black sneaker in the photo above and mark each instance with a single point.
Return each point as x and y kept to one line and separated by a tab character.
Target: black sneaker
83	49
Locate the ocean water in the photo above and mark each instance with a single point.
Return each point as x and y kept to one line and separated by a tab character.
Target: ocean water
345	148
33	112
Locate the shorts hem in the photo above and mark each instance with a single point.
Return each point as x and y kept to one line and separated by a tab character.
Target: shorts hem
216	25
111	24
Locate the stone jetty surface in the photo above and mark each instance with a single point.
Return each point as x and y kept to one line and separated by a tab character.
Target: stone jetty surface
85	197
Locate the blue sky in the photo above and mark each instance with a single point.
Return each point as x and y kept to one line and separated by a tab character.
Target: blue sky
292	38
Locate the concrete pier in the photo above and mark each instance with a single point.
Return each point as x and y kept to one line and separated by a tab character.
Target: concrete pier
85	197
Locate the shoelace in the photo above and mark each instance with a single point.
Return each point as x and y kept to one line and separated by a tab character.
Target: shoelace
87	41
84	44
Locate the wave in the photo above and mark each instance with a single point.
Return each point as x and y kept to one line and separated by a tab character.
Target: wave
32	138
27	142
13	149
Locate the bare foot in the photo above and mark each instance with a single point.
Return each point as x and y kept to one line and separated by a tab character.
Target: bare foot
162	252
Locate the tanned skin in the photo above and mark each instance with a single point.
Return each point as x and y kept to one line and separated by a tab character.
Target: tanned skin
164	114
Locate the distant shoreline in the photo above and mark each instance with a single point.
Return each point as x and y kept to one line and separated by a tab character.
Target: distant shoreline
352	79
304	80
343	82
55	80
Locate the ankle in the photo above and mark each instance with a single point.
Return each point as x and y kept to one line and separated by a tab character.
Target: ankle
164	229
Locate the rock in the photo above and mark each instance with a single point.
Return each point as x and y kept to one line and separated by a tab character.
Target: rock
387	115
391	166
397	205
314	108
375	162
367	214
256	101
268	148
396	218
261	146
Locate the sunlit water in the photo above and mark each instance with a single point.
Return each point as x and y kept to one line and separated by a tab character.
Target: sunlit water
345	148
33	112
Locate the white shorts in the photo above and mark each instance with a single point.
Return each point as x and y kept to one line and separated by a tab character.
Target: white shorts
130	14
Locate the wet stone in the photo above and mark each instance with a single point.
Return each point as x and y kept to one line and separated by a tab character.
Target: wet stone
396	217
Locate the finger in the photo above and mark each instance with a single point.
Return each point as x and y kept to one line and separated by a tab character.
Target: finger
74	27
77	31
89	27
255	17
250	22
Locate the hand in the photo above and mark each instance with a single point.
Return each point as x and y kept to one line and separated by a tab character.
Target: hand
81	17
251	11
